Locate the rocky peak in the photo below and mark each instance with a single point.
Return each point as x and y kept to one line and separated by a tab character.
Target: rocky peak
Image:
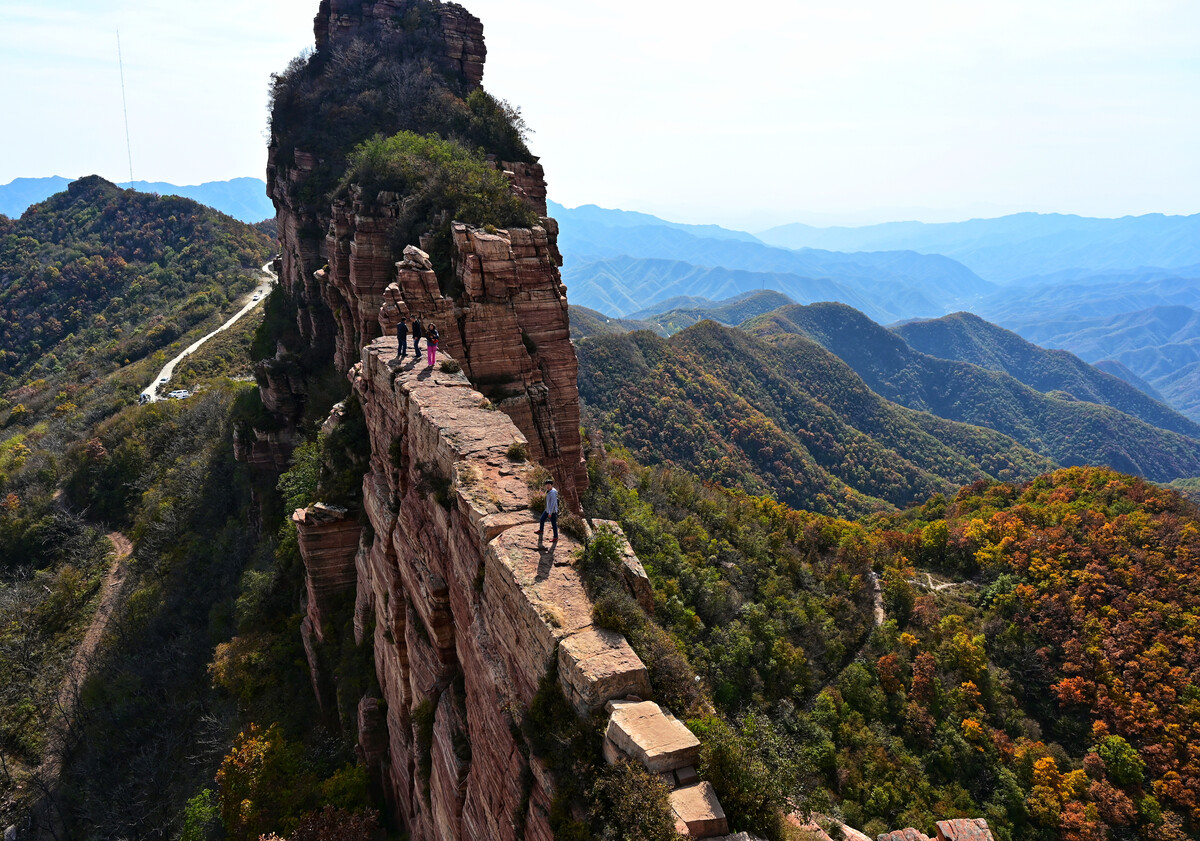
461	34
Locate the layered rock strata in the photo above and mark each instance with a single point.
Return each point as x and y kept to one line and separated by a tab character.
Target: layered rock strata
508	327
506	321
465	610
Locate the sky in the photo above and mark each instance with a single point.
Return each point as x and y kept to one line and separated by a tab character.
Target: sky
779	111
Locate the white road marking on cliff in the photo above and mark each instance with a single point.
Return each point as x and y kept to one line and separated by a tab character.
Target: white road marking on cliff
150	392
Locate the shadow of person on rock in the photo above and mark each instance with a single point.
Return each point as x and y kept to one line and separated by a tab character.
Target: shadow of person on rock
545	560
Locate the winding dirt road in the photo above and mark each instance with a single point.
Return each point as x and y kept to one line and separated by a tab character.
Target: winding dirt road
47	822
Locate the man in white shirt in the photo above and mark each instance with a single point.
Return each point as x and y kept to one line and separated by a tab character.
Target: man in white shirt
551	511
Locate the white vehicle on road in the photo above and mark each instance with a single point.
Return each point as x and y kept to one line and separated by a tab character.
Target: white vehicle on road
149	395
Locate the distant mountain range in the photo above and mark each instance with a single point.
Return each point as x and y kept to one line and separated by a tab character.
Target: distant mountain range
1022	245
1147	322
244	199
620	262
1094	287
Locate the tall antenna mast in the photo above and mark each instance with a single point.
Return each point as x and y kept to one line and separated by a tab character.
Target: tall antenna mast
125	108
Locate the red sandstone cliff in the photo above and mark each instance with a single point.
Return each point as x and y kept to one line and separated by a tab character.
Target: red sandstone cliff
507	321
464	611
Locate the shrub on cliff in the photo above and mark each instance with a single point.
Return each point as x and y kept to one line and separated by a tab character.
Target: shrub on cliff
441	181
436	177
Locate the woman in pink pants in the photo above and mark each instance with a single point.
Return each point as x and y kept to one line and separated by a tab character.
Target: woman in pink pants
431	342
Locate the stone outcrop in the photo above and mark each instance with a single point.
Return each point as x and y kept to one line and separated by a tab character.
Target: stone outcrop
697	811
506	321
507	325
643	731
964	829
959	829
909	834
328	539
467	612
464	609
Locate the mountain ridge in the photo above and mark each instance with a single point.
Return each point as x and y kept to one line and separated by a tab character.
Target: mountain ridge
789	418
1062	428
243	198
968	338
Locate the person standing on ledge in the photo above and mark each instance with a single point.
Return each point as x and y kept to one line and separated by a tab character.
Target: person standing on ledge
550	512
401	339
431	340
417	333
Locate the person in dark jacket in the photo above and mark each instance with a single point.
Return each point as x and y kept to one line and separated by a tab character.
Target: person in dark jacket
417	332
401	339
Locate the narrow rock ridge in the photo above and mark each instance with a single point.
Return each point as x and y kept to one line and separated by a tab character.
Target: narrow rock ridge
465	610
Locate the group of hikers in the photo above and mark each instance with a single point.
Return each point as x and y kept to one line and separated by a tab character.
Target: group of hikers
430	334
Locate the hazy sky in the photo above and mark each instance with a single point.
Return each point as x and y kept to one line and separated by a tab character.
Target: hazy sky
781	110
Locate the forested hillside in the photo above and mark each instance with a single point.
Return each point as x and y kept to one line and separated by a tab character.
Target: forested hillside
786	418
968	338
99	277
1035	666
1057	424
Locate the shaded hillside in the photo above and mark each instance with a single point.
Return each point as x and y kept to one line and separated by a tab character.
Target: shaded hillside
1122	372
1058	426
968	338
1022	244
787	418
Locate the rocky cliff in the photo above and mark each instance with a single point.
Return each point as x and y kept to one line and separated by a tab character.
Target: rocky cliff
465	610
502	314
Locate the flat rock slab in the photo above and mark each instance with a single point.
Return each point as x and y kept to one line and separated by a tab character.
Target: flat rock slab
598	665
658	742
698	811
964	829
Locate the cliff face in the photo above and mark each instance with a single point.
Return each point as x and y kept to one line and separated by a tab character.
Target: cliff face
462	33
503	315
464	609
